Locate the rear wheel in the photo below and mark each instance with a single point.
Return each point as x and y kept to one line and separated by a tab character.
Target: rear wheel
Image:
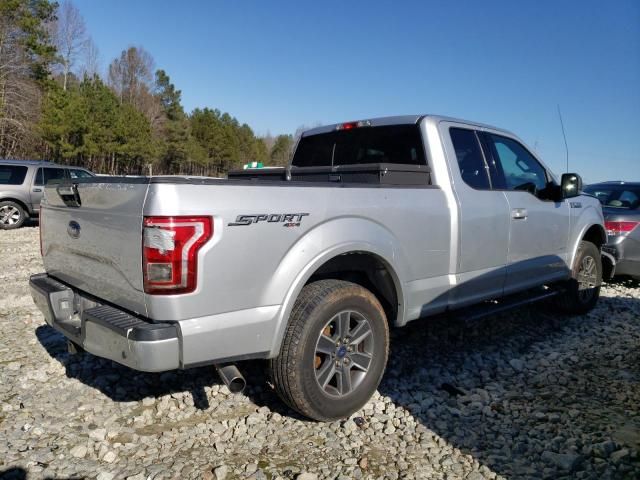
583	289
334	351
12	215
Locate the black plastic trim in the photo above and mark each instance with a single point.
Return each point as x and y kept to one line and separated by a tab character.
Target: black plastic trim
110	317
121	323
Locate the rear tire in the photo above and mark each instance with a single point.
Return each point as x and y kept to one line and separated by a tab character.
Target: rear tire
334	351
12	215
583	289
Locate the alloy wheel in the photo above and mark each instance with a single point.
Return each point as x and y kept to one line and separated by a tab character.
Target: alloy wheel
587	278
343	353
9	215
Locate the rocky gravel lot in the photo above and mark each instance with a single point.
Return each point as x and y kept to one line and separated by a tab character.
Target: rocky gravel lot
528	394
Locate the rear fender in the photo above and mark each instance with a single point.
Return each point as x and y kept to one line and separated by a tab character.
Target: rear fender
323	243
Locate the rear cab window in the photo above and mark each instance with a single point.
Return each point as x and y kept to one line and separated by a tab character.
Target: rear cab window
395	144
12	174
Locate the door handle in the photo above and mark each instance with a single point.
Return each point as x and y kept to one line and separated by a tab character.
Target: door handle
519	213
37	189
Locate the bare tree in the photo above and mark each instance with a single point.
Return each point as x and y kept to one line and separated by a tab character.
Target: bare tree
91	60
70	38
131	77
19	93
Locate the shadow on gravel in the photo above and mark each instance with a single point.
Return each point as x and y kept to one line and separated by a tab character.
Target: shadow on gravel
122	384
30	223
624	281
510	387
18	473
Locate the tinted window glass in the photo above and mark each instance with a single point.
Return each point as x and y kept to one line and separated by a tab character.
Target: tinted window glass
616	196
46	174
315	151
399	144
470	160
76	173
521	170
12	174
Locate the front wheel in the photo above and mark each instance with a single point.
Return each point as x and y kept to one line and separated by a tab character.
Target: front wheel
334	351
583	289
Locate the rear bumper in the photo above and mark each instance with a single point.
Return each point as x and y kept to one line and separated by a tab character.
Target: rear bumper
106	331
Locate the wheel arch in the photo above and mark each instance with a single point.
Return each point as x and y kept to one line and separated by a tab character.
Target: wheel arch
593	233
596	235
357	263
22	203
369	271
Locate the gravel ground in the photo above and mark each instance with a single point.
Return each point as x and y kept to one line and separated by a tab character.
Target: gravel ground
523	395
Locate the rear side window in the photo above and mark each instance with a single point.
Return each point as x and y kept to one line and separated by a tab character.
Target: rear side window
397	144
46	174
12	174
76	173
470	159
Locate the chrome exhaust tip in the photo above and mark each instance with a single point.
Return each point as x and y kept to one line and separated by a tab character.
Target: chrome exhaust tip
231	377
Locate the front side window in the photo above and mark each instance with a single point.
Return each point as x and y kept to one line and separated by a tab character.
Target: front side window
470	159
520	169
12	174
47	173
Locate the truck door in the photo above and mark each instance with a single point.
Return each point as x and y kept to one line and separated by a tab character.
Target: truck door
539	226
483	219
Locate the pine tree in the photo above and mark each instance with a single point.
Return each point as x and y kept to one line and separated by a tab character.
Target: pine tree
175	129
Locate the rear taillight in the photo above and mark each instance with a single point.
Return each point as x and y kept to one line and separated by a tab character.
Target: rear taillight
170	252
40	226
619	228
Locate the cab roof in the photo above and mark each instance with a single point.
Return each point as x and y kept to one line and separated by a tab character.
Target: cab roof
402	120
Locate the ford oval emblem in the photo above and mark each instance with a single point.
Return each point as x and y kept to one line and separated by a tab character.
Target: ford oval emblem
73	229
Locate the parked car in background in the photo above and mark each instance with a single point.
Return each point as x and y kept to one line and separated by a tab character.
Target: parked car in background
22	185
621	207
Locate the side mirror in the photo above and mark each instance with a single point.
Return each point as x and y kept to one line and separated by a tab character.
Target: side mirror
570	185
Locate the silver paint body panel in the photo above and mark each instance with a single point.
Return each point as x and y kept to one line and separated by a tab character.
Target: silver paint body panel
446	246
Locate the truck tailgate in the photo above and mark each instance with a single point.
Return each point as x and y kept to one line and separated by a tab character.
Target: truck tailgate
91	237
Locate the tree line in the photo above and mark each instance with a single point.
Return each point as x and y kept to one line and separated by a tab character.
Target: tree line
55	105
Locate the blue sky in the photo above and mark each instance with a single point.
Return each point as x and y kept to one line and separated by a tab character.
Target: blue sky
279	65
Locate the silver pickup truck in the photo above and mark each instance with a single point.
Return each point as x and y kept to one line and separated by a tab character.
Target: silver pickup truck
374	224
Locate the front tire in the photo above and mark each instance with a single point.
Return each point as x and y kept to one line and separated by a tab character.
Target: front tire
334	351
12	215
583	289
